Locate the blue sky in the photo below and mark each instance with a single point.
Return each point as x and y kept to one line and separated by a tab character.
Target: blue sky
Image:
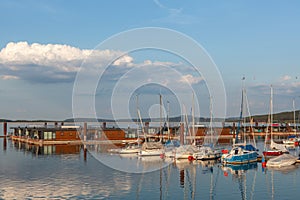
256	39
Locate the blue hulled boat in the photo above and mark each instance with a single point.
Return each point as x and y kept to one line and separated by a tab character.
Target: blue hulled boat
240	154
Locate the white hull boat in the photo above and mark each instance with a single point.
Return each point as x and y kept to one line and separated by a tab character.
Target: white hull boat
282	161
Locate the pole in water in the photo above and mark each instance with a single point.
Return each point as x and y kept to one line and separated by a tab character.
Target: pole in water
5	128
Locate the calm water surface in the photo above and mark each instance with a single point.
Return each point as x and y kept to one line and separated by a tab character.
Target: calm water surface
28	172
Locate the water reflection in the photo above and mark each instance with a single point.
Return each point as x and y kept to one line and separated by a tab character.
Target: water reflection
60	172
4	144
238	170
47	150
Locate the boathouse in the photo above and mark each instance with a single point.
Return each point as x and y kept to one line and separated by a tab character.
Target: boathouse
58	133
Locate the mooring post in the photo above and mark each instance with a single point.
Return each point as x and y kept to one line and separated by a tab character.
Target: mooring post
84	152
5	128
84	131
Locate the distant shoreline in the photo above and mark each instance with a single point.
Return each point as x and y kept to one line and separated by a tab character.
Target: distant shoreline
287	117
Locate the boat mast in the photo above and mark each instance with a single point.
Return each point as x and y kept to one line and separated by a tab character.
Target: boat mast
241	113
271	112
168	119
210	122
193	119
137	118
160	118
294	116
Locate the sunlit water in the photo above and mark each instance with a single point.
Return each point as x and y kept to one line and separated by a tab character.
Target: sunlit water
31	173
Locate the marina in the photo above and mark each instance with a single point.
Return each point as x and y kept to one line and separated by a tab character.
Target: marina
67	171
89	170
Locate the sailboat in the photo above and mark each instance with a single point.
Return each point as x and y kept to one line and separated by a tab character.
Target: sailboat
132	148
186	151
241	152
152	148
282	161
275	148
292	140
207	151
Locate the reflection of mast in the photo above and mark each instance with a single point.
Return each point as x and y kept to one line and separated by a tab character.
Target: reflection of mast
160	184
4	144
181	179
272	176
242	182
254	180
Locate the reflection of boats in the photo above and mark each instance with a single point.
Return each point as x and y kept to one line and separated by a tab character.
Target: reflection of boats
207	163
282	161
238	169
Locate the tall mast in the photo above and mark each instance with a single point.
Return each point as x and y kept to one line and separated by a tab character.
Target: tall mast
168	120
271	112
160	117
211	116
137	117
241	113
295	127
193	119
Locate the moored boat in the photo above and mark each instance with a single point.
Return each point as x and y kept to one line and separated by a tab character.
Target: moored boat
239	155
151	149
207	153
130	149
282	161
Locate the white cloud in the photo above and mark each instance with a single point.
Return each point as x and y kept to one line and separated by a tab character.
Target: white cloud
190	79
52	62
9	77
285	78
124	61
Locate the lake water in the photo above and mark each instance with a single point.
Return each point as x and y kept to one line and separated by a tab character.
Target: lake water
61	172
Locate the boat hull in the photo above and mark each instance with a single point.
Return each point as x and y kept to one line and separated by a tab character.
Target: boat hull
239	159
272	153
155	152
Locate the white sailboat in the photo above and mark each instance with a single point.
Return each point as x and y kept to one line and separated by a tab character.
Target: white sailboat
241	153
133	148
282	161
292	140
186	151
276	149
152	148
208	152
